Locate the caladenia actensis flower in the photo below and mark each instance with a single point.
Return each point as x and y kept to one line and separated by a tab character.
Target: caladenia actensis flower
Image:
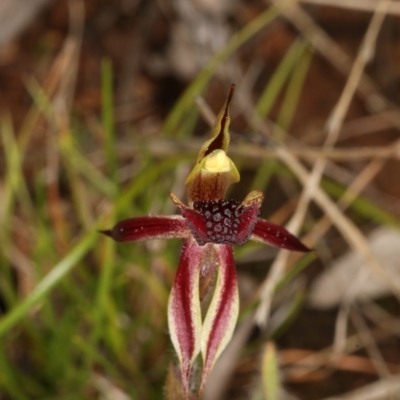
203	305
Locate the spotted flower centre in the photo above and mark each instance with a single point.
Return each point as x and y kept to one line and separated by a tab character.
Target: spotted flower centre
222	219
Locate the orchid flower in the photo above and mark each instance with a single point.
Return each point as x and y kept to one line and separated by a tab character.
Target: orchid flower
209	225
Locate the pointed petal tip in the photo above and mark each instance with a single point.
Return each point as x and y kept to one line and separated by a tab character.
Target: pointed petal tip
219	135
277	236
303	248
231	93
107	232
148	227
175	199
254	198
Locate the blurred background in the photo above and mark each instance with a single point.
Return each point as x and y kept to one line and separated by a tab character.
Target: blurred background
103	107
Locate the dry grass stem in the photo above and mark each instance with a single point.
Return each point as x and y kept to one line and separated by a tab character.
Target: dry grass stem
388	326
254	154
329	49
379	316
65	70
349	231
305	365
356	5
355	188
369	124
365	55
370	344
333	128
386	389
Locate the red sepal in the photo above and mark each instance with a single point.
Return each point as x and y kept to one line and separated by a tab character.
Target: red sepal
143	228
277	236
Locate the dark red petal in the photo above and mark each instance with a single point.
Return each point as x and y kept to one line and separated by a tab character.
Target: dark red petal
142	228
248	219
184	312
197	224
277	236
222	314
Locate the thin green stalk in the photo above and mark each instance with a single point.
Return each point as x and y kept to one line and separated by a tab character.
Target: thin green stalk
67	147
270	373
279	77
80	194
294	89
8	379
361	205
102	297
15	183
185	103
13	179
290	103
295	270
48	282
81	164
108	117
144	181
294	309
107	365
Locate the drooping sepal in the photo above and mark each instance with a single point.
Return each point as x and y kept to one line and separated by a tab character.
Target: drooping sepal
219	135
214	171
151	227
184	311
277	236
222	313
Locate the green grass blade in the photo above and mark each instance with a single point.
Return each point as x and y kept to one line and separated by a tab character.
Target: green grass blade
83	166
294	308
362	206
185	104
108	117
278	79
102	297
8	379
293	92
270	373
48	282
295	270
143	182
301	58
